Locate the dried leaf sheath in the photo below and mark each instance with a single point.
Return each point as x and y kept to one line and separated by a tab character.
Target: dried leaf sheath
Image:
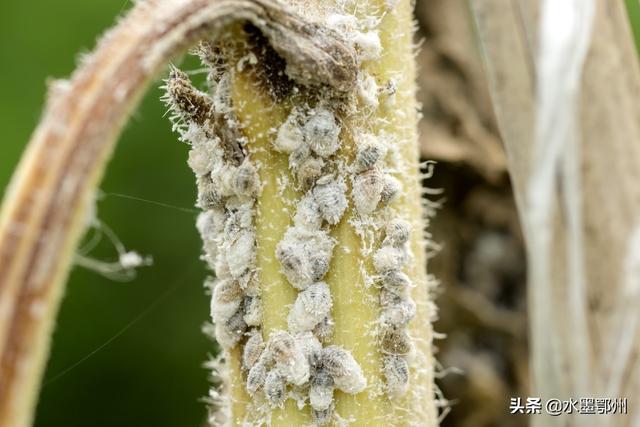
46	207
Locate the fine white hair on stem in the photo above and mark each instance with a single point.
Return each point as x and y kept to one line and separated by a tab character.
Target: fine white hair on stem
565	34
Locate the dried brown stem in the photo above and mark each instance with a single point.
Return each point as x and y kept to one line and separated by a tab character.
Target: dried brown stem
609	114
49	200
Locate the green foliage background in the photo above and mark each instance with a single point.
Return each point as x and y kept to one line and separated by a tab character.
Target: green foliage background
151	373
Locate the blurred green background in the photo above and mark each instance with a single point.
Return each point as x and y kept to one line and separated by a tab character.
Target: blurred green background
150	373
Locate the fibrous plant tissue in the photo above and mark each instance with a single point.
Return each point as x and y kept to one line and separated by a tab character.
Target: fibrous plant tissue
334	167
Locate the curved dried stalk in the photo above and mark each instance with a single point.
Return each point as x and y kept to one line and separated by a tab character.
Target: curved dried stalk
49	200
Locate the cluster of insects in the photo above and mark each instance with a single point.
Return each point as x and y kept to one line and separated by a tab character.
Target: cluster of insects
372	188
310	137
397	307
228	184
299	361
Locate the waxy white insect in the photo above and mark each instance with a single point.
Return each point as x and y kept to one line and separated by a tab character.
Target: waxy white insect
226	299
201	158
393	279
343	368
308	172
323	418
395	340
309	345
275	388
208	195
396	372
290	137
304	255
324	330
370	152
390	190
321	390
252	350
290	359
397	233
246	180
222	94
229	333
367	89
398	313
252	311
241	253
367	190
308	213
321	132
389	258
311	307
330	195
255	377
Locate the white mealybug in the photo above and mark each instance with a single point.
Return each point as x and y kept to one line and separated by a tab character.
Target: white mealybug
201	158
367	191
368	46
290	359
399	313
226	299
321	132
309	171
274	388
208	195
252	311
304	255
311	307
230	332
247	181
222	95
330	196
395	279
240	215
252	350
370	152
395	340
308	213
290	137
390	190
343	368
323	418
250	284
255	377
321	390
219	264
396	372
297	157
210	223
224	177
389	258
324	330
309	345
367	88
397	233
241	253
389	296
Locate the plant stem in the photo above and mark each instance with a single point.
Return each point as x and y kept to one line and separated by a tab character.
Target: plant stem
47	205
